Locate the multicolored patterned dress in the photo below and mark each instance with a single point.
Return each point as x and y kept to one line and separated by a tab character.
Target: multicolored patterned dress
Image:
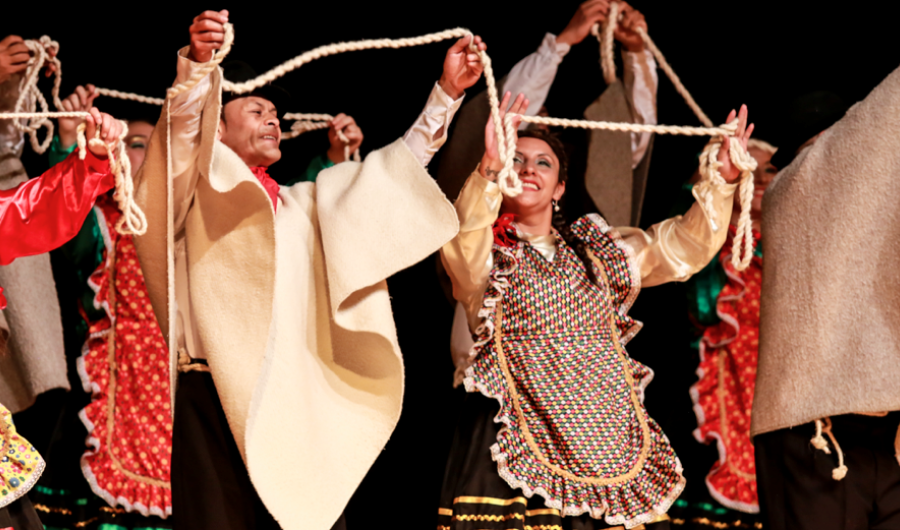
568	414
125	366
723	396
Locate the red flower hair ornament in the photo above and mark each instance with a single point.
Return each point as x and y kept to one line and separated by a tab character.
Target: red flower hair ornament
505	233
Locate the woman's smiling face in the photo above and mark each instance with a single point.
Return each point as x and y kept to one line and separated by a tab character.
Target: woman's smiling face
538	169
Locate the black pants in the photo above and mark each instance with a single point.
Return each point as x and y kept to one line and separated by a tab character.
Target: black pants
20	515
210	485
797	491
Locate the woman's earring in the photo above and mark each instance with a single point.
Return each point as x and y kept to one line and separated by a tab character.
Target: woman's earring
555	205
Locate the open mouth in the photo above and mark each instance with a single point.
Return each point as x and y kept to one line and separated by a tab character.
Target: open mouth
528	185
270	137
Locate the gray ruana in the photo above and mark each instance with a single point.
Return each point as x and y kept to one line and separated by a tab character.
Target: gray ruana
830	310
34	360
616	189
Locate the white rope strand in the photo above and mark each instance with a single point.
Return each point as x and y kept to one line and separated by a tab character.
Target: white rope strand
313	122
508	179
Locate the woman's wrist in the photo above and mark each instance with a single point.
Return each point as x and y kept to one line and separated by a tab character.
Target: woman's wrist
490	168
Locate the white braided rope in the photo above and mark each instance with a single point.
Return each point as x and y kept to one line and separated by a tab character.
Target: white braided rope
30	96
333	49
607	59
208	67
130	97
314	122
742	246
673	77
133	221
508	179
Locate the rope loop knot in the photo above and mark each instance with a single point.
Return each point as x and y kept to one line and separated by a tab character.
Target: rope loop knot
30	97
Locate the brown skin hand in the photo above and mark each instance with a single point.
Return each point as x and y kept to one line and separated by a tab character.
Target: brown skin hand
250	127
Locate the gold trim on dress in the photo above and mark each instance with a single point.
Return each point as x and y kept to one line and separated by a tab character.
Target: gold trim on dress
723	415
542	511
445	511
484	517
489	500
629	379
113	370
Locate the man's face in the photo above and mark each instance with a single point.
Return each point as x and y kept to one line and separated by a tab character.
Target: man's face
250	127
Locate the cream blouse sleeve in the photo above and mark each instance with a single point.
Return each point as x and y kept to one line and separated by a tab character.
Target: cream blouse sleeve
467	257
677	248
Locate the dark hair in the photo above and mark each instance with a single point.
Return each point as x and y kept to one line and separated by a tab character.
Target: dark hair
559	218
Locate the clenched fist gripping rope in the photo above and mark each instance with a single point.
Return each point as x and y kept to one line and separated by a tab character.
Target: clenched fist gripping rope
508	179
133	220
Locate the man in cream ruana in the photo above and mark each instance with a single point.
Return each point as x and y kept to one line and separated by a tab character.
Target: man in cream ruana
308	375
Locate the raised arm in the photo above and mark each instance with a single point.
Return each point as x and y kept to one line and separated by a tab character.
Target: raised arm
468	257
186	109
462	68
639	76
43	213
677	248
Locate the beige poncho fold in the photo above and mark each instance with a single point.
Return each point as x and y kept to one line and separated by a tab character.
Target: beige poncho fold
292	309
830	314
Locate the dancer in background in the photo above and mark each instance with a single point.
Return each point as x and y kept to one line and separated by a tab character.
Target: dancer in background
36	217
724	304
556	408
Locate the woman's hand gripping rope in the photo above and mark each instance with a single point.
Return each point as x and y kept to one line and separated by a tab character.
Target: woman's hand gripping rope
107	139
723	161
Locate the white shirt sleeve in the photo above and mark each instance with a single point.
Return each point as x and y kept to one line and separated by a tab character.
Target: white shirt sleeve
534	75
185	112
428	133
641	84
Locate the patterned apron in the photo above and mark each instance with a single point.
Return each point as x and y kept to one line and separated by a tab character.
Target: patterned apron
551	353
125	366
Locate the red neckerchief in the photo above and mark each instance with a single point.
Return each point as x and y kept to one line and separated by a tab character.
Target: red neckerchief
2	300
504	232
268	184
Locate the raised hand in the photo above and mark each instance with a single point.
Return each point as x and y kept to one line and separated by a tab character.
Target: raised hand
109	127
80	101
462	67
587	14
626	31
729	172
14	56
207	35
490	163
352	132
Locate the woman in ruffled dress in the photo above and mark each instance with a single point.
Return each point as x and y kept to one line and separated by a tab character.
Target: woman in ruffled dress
556	404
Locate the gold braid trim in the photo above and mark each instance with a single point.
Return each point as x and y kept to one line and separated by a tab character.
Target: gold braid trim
629	379
113	371
496	518
723	423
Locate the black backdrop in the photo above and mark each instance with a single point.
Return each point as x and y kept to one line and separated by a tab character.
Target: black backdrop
727	53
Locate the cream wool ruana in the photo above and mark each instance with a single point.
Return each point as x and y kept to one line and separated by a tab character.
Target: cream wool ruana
292	310
830	313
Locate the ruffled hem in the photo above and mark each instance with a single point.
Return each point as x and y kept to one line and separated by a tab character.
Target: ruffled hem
140	497
707	385
23	489
721	478
596	512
